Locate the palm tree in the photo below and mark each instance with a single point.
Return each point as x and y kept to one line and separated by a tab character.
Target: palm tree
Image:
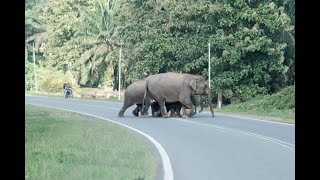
38	39
99	38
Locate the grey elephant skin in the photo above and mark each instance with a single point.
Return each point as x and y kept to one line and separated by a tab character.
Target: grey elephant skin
174	109
175	87
134	94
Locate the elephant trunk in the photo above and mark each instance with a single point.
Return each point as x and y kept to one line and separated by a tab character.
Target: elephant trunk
210	102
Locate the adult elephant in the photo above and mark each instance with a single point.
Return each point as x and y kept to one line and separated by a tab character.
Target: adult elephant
134	95
175	87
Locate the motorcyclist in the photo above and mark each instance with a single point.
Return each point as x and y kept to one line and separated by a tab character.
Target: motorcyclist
67	87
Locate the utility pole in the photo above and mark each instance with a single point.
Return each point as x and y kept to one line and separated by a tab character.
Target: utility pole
119	85
219	103
209	64
34	67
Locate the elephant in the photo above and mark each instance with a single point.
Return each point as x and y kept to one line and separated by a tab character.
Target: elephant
175	87
174	109
134	95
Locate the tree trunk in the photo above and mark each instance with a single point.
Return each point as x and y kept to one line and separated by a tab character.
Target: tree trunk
34	66
79	76
210	103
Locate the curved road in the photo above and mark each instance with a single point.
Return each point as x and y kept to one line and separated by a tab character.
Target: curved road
205	148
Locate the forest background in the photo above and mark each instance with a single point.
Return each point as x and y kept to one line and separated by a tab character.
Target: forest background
252	45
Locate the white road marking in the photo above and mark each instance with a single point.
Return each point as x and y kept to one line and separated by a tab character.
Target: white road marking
255	119
282	143
168	173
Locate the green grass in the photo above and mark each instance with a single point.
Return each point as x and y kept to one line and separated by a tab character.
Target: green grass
273	114
111	99
276	107
286	116
64	145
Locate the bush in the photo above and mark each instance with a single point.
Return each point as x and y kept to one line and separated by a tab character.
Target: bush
285	99
282	100
50	83
249	91
51	80
29	75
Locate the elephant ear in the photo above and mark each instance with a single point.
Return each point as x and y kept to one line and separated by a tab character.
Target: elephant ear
193	84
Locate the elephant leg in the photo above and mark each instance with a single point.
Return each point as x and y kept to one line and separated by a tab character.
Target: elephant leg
163	109
178	109
194	102
155	109
172	111
125	106
185	112
175	109
186	101
144	111
137	110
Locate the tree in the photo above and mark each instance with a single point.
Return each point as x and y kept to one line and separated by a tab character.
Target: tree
35	31
173	36
99	36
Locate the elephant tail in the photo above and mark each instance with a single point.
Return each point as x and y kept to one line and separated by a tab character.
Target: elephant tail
143	110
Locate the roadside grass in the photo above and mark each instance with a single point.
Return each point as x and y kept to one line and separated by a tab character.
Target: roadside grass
286	116
111	98
33	93
65	145
275	107
278	106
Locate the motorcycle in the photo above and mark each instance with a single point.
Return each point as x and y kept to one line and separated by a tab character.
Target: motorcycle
68	94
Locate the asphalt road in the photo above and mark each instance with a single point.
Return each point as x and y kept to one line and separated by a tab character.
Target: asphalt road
205	148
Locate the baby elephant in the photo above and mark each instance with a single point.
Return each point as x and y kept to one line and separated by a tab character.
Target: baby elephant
173	108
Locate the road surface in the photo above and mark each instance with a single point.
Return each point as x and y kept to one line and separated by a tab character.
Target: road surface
204	148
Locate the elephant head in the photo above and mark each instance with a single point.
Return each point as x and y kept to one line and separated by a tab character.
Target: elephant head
200	86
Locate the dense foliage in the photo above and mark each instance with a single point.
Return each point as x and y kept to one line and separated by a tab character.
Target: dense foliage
29	76
282	100
252	42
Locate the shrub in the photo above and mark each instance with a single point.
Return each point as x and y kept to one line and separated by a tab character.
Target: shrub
51	80
282	100
29	75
